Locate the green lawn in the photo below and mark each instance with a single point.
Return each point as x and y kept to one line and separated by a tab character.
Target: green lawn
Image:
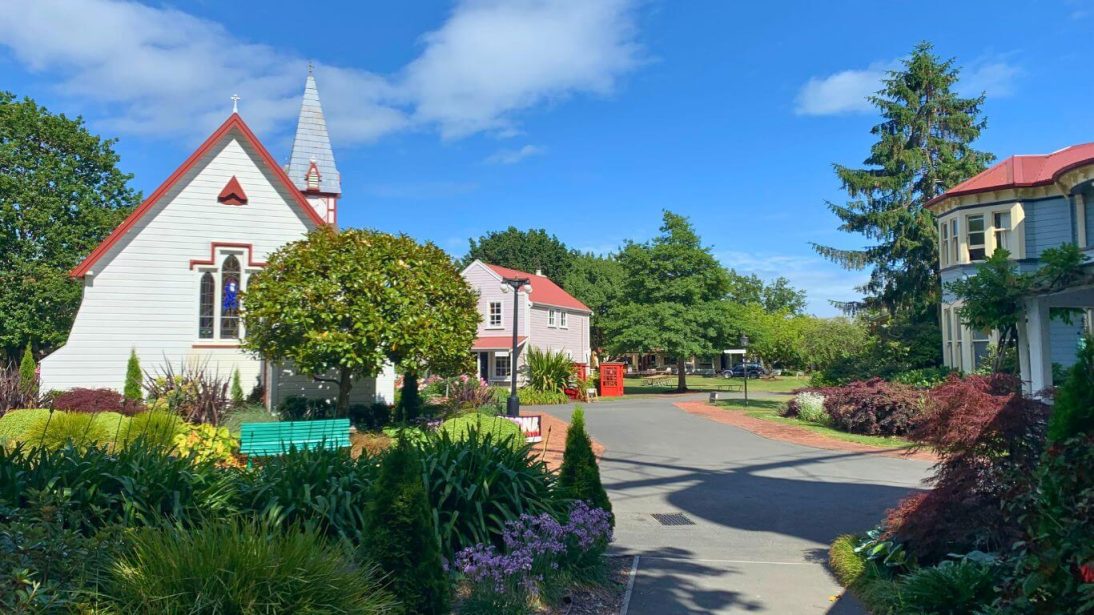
782	384
768	410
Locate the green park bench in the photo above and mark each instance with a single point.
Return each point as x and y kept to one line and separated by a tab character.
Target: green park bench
266	439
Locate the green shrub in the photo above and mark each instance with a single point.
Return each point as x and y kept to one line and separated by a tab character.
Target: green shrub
370	416
157	428
247	414
530	397
237	390
133	377
402	538
922	378
206	443
579	477
1073	412
949	588
547	371
502	429
409	406
810	408
320	488
15	423
846	564
478	484
28	374
296	408
79	429
244	568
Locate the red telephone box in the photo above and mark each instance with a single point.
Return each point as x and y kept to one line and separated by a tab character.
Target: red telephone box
581	370
611	379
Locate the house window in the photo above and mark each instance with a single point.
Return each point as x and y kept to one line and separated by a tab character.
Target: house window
230	277
550	318
501	366
954	242
958	357
1001	226
975	237
981	340
562	319
944	243
495	314
947	334
206	306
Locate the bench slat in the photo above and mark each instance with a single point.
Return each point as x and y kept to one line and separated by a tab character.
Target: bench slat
262	439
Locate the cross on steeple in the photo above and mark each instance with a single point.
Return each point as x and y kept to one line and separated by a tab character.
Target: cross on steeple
235	103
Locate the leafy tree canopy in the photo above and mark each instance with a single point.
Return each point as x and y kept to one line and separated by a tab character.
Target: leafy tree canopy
778	296
596	281
923	147
347	302
61	193
524	250
673	297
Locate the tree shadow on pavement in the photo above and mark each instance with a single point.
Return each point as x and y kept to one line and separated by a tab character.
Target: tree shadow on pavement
672	582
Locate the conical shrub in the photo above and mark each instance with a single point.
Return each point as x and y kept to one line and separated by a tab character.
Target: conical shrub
579	477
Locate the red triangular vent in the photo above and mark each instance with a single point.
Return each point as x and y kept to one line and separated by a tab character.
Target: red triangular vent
233	193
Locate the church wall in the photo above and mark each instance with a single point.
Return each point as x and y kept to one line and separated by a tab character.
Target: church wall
143	294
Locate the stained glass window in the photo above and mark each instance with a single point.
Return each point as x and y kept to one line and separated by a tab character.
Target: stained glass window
206	301
229	304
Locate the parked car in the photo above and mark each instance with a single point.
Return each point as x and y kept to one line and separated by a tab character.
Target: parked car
754	370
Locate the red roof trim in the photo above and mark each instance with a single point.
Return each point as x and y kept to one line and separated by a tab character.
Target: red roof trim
496	342
1025	171
544	290
233	193
233	122
222	244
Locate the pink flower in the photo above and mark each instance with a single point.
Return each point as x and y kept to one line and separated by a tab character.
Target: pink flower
1086	573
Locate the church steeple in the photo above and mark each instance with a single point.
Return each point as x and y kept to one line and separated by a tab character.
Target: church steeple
311	165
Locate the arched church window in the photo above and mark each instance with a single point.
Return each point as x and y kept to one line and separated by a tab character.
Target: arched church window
229	304
206	303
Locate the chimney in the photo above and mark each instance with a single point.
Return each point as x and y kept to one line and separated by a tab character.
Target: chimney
539	272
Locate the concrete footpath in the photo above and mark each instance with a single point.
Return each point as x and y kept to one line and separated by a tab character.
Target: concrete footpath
743	522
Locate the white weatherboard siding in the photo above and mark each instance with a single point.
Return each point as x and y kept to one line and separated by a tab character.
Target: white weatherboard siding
488	285
142	294
573	340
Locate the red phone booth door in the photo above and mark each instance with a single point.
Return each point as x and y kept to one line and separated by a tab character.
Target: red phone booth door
611	379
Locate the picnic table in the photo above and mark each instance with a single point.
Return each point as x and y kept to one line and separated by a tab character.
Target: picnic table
660	379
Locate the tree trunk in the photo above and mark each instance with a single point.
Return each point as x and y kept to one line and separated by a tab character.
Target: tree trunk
345	383
681	377
410	402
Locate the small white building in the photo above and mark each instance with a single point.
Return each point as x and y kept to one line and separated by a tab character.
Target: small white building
166	282
549	318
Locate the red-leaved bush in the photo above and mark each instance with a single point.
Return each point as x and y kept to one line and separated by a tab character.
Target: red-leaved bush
988	438
873	407
95	400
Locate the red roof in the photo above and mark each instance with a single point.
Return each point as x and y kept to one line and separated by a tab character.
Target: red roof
234	122
496	342
544	291
1023	171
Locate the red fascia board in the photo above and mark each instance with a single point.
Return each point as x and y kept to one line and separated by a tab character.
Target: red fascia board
233	122
222	244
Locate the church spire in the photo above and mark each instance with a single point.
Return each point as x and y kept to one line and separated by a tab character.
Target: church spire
311	151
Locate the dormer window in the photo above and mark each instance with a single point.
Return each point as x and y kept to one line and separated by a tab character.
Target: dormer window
311	180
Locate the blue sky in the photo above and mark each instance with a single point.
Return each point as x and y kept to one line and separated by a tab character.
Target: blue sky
584	117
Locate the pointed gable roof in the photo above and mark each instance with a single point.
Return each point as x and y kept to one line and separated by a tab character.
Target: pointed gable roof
544	291
233	123
312	144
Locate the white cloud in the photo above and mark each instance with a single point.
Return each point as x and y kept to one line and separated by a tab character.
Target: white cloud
842	92
847	91
822	281
513	156
163	72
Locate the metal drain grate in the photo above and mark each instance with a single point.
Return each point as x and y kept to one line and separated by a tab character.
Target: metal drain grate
672	519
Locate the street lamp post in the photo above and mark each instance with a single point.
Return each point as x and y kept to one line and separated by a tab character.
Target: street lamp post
512	407
744	364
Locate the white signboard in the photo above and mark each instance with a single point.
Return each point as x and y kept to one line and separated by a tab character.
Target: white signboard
734	351
529	426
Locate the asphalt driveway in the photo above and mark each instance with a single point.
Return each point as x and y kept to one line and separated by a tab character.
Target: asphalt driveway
758	514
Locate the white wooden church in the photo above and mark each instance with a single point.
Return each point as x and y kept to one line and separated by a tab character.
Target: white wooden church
166	282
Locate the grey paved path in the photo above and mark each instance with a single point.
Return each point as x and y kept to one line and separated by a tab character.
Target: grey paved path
763	511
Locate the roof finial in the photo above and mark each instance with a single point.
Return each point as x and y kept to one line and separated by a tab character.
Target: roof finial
310	67
235	103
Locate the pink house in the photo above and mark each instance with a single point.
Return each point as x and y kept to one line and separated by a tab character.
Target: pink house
549	319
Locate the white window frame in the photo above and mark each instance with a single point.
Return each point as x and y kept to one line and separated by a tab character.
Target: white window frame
1007	232
220	254
955	240
984	231
944	243
490	315
497	361
551	318
563	319
974	340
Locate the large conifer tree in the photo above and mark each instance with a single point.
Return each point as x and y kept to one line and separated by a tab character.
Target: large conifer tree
923	149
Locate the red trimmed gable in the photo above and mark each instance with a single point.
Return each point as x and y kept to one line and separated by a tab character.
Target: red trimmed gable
234	122
1023	171
544	291
233	193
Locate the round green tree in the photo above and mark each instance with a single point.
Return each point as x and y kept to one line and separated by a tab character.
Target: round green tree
340	305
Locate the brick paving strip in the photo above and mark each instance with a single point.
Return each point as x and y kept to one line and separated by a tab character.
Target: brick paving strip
554	440
791	433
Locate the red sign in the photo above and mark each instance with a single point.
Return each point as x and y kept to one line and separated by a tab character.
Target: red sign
611	379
